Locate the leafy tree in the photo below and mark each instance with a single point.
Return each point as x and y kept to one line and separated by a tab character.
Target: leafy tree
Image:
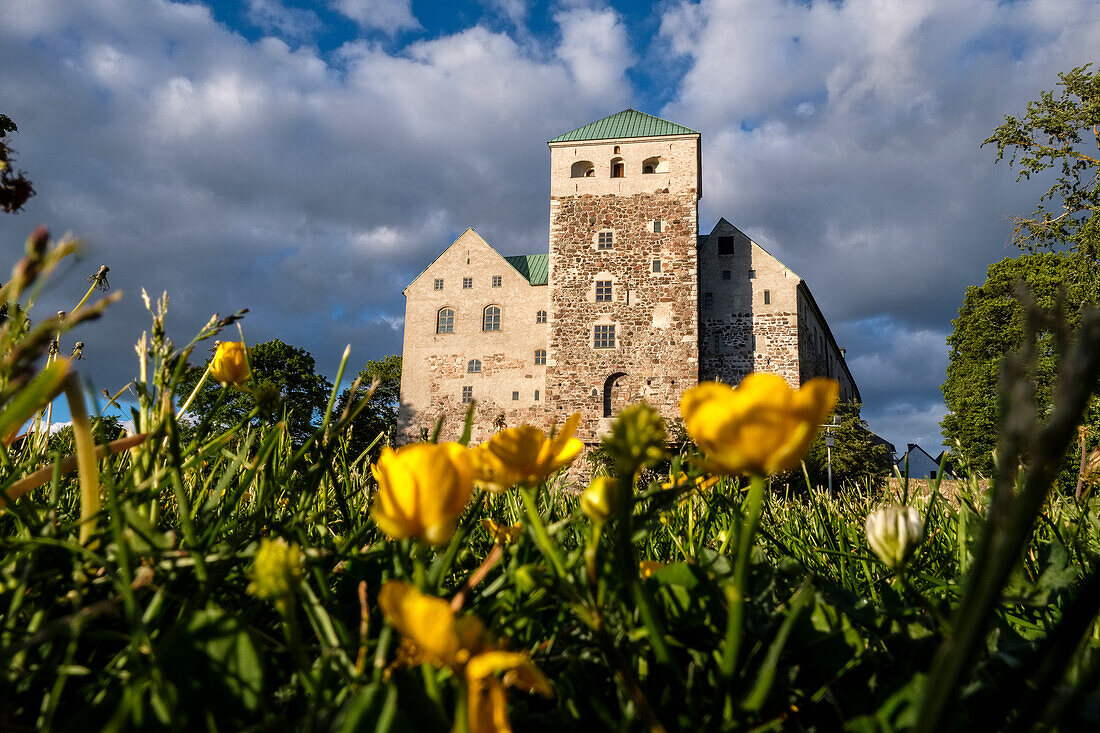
858	456
1049	136
990	325
380	415
15	189
104	430
284	385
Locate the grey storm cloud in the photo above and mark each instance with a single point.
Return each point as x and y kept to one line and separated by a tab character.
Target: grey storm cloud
311	188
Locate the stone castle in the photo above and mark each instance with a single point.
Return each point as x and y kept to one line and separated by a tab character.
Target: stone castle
632	302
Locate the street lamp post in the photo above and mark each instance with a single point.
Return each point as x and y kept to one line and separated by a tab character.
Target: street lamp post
829	450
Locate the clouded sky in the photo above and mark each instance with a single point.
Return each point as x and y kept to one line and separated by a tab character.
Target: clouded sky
306	159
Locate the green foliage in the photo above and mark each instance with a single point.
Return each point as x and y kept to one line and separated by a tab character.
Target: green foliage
15	189
1059	133
992	324
284	386
380	417
858	458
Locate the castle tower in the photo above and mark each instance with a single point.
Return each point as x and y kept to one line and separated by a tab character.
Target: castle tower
623	268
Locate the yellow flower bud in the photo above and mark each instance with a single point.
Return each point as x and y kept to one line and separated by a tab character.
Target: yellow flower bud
277	571
894	533
422	490
762	427
230	364
601	499
502	534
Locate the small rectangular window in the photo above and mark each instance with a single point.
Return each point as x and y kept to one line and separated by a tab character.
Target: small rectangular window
726	274
536	395
717	342
752	274
496	281
515	395
605	240
767	297
725	245
439	283
467	395
657	226
752	342
708	300
603	291
604	337
467	283
540	357
656	265
540	317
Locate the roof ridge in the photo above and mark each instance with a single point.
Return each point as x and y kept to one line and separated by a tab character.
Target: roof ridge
629	122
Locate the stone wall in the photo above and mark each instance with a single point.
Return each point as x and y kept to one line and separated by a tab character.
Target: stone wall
819	354
654	313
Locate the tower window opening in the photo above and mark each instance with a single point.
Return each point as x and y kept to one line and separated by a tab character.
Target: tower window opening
467	282
603	291
467	395
726	275
491	319
438	283
605	240
582	169
497	280
540	357
445	321
658	226
656	265
515	395
536	395
725	245
617	150
473	367
608	388
618	168
767	297
655	164
540	317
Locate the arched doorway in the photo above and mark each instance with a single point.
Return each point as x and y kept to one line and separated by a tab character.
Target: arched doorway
608	389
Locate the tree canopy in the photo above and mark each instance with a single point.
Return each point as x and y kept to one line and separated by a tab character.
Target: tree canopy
1062	134
380	415
990	325
15	189
284	383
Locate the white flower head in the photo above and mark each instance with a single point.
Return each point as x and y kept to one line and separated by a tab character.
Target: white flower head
894	533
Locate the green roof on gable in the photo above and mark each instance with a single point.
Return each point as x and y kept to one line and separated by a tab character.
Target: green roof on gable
628	123
536	268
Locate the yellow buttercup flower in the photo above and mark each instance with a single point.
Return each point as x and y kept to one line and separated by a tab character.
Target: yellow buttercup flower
230	364
422	490
433	634
762	427
648	567
502	534
524	455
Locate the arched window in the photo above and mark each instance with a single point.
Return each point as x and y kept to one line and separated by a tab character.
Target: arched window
582	169
445	321
618	169
540	317
655	164
540	357
491	319
474	366
617	150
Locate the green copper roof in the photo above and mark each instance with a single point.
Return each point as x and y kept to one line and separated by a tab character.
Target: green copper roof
536	268
628	123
